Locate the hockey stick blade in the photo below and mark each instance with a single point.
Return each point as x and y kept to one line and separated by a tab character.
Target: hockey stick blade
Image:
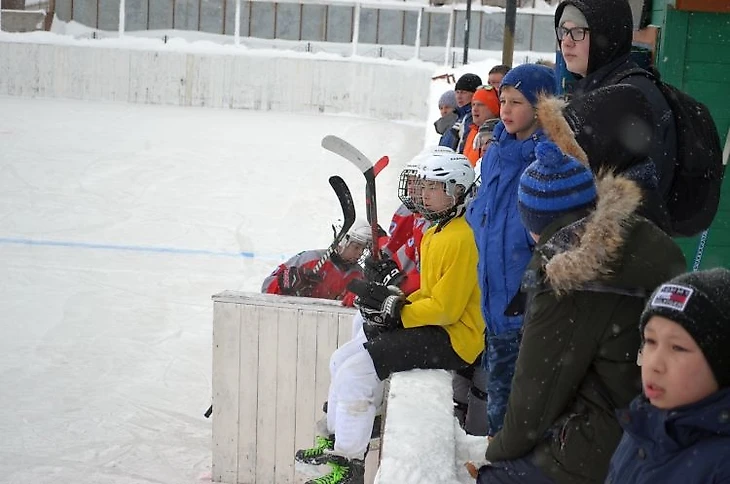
348	218
341	147
380	165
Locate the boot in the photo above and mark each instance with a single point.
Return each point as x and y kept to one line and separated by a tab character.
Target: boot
344	471
318	454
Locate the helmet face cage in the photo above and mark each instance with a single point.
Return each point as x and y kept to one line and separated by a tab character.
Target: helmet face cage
452	190
406	184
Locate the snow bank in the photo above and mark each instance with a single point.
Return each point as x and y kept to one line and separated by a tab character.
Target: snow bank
189	74
419	442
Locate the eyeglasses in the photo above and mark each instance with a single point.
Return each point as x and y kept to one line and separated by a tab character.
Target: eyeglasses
576	33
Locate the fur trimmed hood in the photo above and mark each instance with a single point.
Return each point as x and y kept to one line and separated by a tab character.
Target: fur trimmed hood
586	250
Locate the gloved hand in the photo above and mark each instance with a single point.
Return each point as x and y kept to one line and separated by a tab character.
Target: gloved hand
349	299
384	271
380	305
295	281
484	135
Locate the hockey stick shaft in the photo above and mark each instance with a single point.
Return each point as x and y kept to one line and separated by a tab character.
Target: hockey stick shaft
348	218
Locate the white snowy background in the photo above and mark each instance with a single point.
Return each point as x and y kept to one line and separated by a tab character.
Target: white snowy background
118	224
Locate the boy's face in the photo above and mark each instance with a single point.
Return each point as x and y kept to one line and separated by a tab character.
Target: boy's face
517	113
674	371
495	79
433	196
575	52
463	97
445	110
352	252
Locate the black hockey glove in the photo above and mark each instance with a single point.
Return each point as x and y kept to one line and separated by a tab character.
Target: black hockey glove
384	271
379	305
295	281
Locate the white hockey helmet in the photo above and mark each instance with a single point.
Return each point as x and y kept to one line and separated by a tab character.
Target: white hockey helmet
359	233
454	171
410	174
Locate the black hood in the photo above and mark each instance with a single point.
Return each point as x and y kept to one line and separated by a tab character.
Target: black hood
613	125
611	27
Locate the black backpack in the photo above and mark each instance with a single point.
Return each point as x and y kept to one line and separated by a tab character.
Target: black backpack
695	192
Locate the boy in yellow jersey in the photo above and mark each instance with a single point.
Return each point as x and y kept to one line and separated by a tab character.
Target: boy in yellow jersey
438	326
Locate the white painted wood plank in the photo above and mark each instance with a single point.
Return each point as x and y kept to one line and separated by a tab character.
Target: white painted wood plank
286	395
266	429
226	347
344	328
327	330
248	385
308	409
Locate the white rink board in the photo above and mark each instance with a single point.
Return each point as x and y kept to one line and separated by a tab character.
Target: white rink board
238	79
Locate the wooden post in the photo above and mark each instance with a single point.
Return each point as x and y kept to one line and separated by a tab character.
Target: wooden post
508	44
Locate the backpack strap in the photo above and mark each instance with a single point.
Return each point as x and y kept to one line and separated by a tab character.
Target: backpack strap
634	71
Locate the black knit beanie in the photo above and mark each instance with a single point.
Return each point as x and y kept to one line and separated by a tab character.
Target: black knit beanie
468	82
700	303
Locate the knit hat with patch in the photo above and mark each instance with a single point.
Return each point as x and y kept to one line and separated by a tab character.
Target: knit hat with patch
700	303
553	185
487	95
448	99
530	80
468	82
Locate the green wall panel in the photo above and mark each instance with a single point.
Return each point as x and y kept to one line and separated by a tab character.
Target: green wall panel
695	56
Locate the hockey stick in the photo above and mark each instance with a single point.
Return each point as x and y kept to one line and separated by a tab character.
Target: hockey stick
346	150
348	218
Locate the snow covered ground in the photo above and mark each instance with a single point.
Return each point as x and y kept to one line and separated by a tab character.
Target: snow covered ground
118	224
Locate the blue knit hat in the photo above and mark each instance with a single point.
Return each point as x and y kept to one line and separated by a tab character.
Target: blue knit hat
448	99
531	80
553	185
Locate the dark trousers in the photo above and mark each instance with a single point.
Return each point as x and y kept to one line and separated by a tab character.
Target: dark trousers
425	347
500	359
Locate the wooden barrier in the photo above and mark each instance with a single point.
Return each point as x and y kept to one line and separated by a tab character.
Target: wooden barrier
270	378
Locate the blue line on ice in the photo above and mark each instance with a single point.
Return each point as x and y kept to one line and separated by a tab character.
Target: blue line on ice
140	248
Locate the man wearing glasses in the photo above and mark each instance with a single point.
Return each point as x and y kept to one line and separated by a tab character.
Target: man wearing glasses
595	38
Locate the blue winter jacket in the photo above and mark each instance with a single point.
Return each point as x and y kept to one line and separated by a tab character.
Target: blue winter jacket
690	444
504	245
450	138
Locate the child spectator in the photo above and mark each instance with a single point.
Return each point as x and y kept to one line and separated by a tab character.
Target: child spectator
437	326
594	265
496	74
678	430
504	245
296	277
464	90
447	109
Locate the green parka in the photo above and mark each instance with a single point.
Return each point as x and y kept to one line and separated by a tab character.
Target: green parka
587	284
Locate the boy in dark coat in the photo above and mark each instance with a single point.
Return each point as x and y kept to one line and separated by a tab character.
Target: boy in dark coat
595	263
679	429
595	40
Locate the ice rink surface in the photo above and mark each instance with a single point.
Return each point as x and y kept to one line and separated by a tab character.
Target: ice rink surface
118	224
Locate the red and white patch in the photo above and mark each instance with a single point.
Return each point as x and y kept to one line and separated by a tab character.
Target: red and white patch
672	296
